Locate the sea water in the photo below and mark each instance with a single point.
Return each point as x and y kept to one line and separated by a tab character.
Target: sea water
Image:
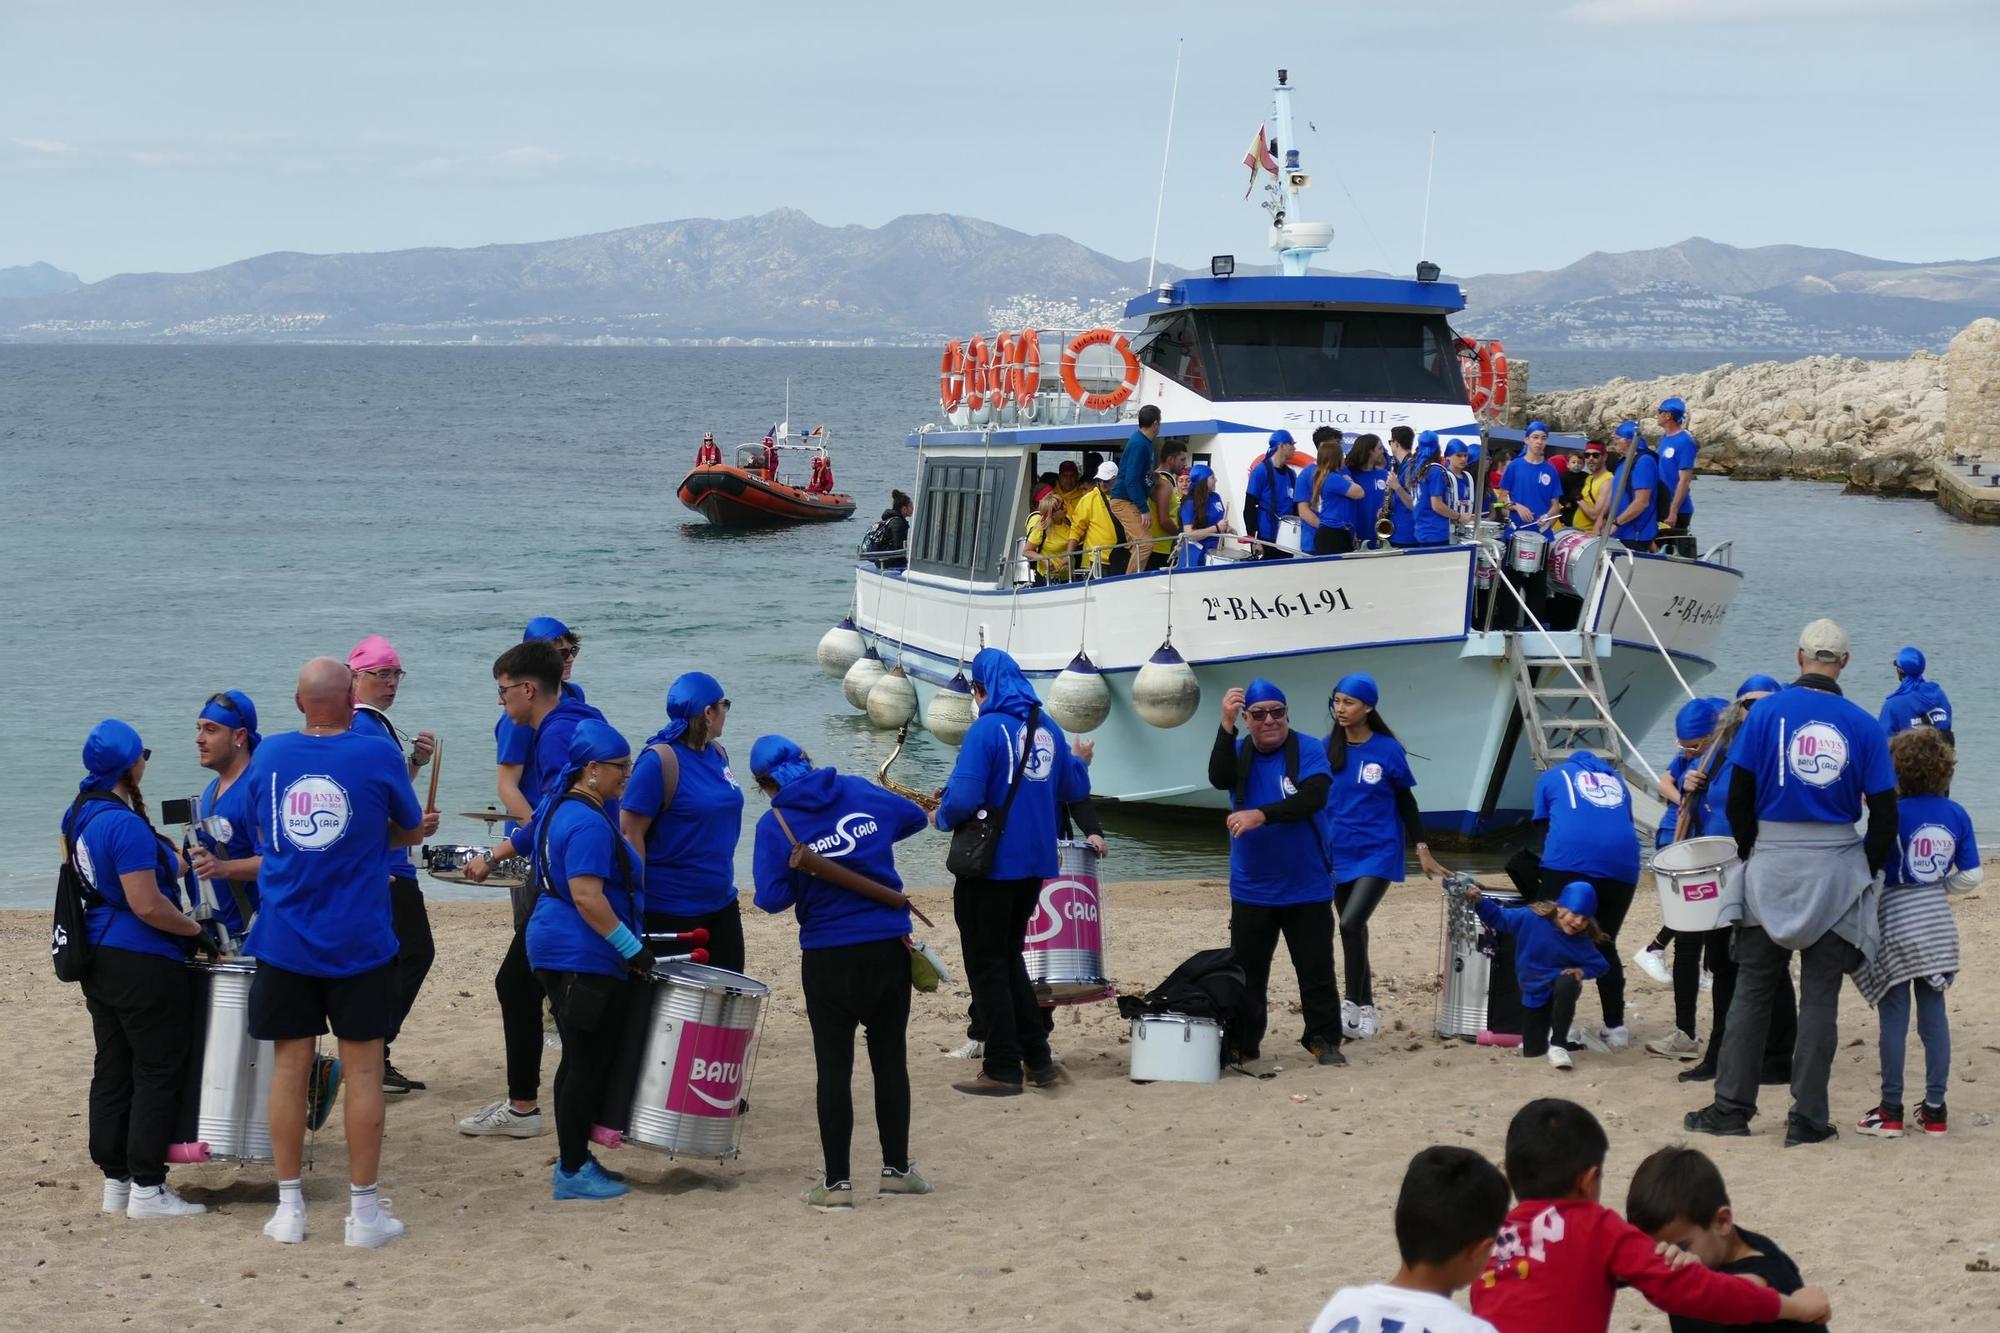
177	521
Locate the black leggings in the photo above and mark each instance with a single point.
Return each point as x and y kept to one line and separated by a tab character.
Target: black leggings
725	934
1614	900
140	1016
415	950
520	995
1355	901
1538	1022
590	1013
864	985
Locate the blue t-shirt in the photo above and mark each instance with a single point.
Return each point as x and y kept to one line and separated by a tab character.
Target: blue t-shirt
1279	865
691	844
1272	486
1915	703
1816	757
1677	455
1192	553
1590	820
1543	950
1374	483
1430	526
237	826
1933	839
1334	508
1535	485
324	808
512	741
581	841
843	819
1403	518
113	840
1641	472
396	864
1051	778
1363	828
1135	460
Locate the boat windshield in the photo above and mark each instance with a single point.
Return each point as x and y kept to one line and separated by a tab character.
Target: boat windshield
1342	355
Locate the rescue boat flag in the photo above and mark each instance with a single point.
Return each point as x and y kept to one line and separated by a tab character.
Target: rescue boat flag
1259	158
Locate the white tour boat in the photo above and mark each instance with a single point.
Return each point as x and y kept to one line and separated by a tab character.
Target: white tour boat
1140	662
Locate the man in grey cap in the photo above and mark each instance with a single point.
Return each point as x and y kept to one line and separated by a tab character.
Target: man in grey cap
1803	767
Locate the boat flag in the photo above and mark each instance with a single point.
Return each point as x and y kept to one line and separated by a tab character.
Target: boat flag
1259	158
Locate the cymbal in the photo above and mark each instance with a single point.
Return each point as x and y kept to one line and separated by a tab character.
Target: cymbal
491	814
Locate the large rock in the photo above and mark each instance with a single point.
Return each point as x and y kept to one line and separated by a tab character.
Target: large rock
1877	425
1972	391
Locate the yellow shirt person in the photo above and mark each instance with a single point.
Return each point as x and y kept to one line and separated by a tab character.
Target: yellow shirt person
1091	528
1596	486
1048	538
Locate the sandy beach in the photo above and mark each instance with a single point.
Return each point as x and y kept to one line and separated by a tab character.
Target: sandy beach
1103	1205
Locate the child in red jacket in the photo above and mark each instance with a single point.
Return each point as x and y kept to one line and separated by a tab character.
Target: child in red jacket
1562	1255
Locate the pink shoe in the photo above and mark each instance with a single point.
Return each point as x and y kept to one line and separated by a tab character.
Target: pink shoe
187	1154
606	1138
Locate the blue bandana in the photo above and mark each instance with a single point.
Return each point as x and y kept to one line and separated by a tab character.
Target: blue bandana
592	742
1360	686
1910	662
1695	720
778	759
689	694
544	628
1758	684
108	752
233	709
1261	691
1577	896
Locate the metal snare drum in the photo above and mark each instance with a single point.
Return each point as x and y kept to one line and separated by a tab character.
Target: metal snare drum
1479	992
447	862
1176	1048
1065	941
236	1070
701	1044
1526	550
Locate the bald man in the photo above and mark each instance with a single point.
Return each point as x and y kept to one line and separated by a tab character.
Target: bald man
330	800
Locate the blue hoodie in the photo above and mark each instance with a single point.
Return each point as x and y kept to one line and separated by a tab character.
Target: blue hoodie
1915	702
1590	820
548	754
985	768
844	819
1542	949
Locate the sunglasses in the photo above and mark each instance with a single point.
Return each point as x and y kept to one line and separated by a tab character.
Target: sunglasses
224	701
1272	713
145	754
568	654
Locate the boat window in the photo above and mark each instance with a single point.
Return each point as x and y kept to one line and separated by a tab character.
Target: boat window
1330	354
965	517
1170	347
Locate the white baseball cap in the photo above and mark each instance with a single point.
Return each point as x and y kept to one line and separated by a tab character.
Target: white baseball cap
1107	471
1823	641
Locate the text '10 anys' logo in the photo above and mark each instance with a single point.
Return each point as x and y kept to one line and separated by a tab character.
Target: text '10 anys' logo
314	812
1816	754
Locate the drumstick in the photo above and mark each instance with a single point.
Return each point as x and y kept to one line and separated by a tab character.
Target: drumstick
437	767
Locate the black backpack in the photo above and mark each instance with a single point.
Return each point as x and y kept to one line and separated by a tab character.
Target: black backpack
1209	985
70	947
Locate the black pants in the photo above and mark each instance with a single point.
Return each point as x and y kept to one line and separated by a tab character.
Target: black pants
1711	948
590	1014
1356	901
1331	541
725	934
1272	553
1614	900
1534	590
520	996
1538	1022
1308	932
992	917
864	985
140	1018
415	950
975	1027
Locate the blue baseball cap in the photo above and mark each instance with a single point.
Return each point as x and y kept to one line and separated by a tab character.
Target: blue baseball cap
544	627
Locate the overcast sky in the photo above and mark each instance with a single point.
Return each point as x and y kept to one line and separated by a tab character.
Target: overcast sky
178	136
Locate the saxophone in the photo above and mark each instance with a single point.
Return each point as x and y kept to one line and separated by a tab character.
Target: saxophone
924	799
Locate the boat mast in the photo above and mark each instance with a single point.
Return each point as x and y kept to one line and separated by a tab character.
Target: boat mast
1296	241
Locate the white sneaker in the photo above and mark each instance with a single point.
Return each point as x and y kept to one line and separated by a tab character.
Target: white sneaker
1560	1058
373	1235
972	1050
117	1195
287	1226
1676	1045
1369	1020
501	1118
1350	1020
1653	962
1615	1039
160	1201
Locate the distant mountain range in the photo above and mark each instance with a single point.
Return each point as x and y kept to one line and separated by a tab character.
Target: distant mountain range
782	277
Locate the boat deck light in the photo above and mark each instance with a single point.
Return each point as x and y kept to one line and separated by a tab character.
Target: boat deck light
1222	266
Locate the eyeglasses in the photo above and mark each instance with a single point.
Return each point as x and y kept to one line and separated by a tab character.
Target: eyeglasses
1273	713
622	765
384	673
515	686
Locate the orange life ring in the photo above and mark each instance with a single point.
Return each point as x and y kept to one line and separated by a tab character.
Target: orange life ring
1027	374
1497	359
1485	365
1000	378
1116	341
977	361
951	376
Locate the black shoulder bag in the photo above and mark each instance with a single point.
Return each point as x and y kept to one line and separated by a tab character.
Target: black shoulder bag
70	947
974	842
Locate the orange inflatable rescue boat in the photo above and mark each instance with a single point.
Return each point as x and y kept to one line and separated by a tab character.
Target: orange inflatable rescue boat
757	489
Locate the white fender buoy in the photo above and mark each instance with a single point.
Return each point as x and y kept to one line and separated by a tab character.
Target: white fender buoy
1079	699
892	700
840	647
861	678
1165	692
950	712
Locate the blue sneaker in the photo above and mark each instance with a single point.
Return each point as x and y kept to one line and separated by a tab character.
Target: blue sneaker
583	1184
601	1169
322	1086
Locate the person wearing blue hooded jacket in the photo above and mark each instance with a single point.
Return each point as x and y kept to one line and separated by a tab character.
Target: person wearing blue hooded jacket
1916	701
853	966
1558	945
1280	877
512	740
136	989
583	942
685	809
1002	752
1586	811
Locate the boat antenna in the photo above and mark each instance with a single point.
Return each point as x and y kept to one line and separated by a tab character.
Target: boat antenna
1160	208
1430	168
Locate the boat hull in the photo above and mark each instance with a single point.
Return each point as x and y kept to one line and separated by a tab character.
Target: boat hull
732	497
